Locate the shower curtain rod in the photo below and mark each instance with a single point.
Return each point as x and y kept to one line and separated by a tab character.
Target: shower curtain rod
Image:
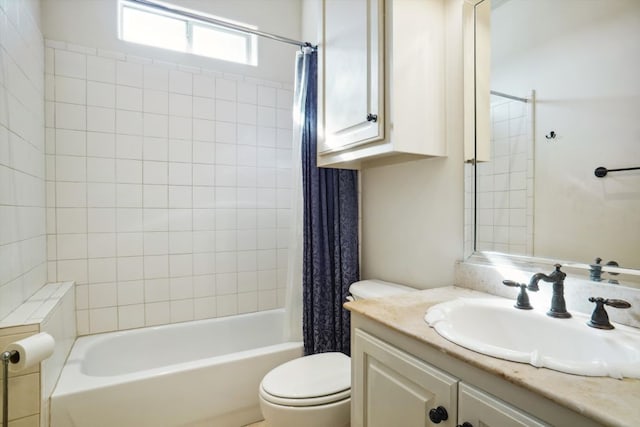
221	23
504	95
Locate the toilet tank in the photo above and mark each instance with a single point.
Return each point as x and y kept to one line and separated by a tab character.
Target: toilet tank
375	289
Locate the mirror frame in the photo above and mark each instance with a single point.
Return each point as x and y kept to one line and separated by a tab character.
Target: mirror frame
476	63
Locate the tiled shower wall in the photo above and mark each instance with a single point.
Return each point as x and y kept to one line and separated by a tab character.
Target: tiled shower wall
23	268
505	184
168	188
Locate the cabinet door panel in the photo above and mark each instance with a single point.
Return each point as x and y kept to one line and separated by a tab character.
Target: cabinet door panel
391	387
483	410
352	73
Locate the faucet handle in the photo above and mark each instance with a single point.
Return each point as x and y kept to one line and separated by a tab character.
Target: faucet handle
522	302
600	318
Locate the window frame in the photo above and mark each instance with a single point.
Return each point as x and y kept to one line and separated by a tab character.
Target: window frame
250	40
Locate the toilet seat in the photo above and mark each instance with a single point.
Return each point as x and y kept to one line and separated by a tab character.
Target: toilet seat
319	379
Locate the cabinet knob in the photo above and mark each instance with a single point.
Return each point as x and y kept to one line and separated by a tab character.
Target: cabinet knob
436	415
465	424
372	117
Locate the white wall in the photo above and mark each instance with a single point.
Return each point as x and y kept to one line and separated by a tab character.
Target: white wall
167	174
95	23
168	189
412	213
583	61
22	187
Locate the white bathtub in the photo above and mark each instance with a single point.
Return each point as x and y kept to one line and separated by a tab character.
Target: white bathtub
201	373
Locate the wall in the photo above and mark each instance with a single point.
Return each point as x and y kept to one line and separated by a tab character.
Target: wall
412	213
22	188
505	183
168	188
583	61
95	23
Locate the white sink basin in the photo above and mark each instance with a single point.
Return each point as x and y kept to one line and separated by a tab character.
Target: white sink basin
494	327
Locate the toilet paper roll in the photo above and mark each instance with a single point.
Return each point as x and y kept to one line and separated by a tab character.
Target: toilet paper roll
31	350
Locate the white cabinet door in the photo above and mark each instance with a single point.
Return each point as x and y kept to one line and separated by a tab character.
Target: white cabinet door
393	388
483	410
351	96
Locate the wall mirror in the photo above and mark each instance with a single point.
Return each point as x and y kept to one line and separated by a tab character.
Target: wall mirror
556	95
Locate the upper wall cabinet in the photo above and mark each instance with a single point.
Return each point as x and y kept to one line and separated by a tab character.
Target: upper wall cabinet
381	81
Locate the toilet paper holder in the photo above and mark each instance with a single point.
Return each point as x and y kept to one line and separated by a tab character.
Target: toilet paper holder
23	354
7	357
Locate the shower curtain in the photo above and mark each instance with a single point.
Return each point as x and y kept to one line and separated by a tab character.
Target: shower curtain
330	228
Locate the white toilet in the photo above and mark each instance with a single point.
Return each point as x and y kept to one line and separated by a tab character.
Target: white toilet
315	391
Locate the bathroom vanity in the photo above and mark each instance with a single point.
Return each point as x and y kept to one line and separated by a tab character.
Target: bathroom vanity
404	373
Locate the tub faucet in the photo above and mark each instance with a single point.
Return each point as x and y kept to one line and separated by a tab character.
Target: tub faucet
558	305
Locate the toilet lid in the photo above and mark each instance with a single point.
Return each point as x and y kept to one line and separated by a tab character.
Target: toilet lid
309	377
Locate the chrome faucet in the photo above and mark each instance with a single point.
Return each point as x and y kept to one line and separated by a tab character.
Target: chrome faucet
558	305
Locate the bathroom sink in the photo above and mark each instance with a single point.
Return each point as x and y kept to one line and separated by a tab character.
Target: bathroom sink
494	327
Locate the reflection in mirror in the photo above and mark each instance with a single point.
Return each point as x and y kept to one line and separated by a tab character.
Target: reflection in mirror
565	100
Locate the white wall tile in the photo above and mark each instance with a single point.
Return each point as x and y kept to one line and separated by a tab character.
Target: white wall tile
101	220
102	270
128	98
204	152
130	292
103	320
180	82
155	196
203	85
180	197
129	146
70	90
128	171
225	89
226	111
180	127
156	101
247	93
155	148
70	168
70	64
156	290
101	170
131	316
101	245
156	78
267	96
130	244
70	142
167	186
203	108
71	194
155	172
180	173
71	220
100	144
101	69
157	313
180	151
100	119
129	122
205	130
70	116
180	105
101	195
71	246
129	196
129	74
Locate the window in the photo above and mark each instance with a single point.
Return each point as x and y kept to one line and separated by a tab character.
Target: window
155	27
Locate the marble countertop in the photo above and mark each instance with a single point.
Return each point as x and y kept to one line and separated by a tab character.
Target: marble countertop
606	400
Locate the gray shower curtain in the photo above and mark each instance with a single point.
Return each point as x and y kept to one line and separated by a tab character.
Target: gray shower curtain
330	239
